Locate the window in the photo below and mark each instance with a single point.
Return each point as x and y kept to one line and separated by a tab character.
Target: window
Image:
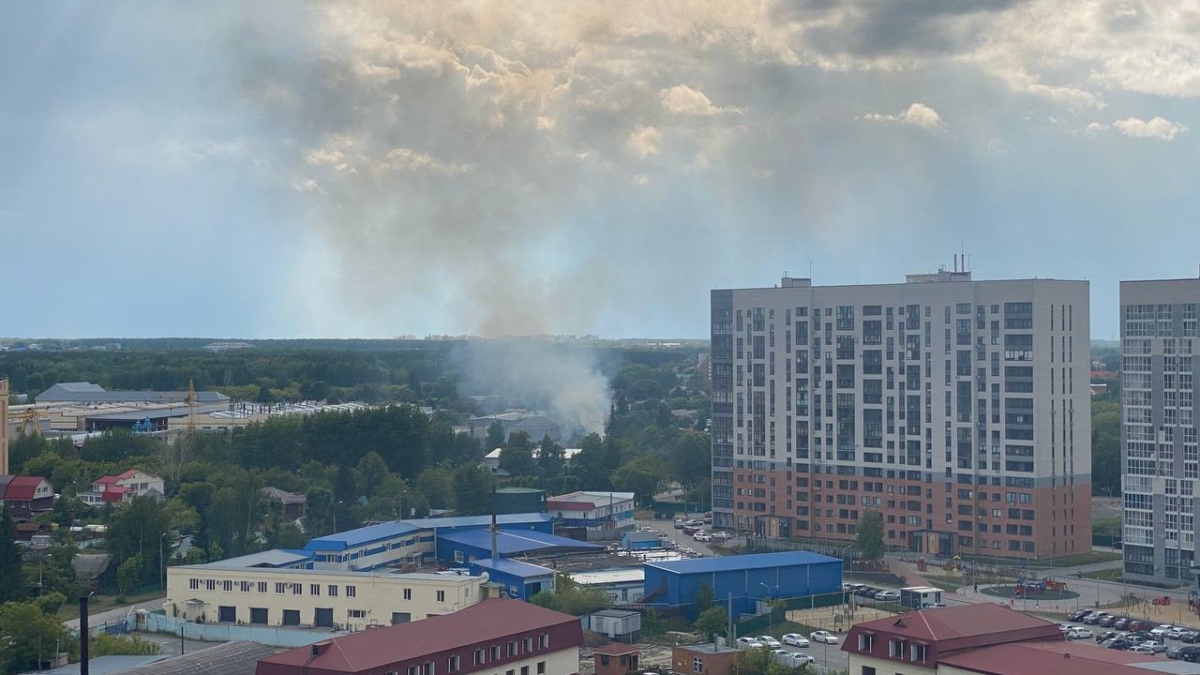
350	592
427	668
480	657
297	589
512	648
441	596
194	584
281	587
918	653
495	652
866	642
412	670
314	589
868	670
896	648
227	586
526	645
262	587
408	594
541	668
524	670
357	613
544	641
452	664
697	664
333	589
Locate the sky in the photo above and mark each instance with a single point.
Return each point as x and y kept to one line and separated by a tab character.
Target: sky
356	168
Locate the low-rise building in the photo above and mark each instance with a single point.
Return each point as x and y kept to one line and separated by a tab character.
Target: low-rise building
640	541
123	487
592	515
616	659
495	637
280	588
985	639
621	625
520	580
703	659
26	496
292	503
621	585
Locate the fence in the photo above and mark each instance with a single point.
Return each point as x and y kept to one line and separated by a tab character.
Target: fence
222	632
778	614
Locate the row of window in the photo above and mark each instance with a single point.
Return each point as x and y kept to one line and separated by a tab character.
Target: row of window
489	655
288	588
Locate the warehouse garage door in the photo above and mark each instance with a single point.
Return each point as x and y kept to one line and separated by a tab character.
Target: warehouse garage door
291	617
258	615
323	617
227	614
401	617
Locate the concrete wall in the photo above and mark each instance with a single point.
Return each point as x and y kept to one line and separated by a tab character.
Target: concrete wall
207	632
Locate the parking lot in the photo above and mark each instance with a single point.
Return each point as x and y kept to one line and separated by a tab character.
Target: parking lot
1131	633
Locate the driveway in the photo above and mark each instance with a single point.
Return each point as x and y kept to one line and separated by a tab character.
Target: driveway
114	615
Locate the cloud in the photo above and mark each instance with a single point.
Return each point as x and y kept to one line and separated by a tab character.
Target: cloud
1157	127
917	115
997	145
644	141
1133	127
683	100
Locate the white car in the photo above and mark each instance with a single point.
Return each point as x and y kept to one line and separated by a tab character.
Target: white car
795	640
1154	646
769	641
791	659
1077	633
748	643
824	636
887	596
1161	630
720	536
702	536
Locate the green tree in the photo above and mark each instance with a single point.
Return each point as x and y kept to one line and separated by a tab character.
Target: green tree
1106	448
551	458
516	457
371	473
642	476
49	603
436	484
137	531
705	598
11	578
27	630
691	458
870	535
712	621
129	573
589	464
472	490
495	436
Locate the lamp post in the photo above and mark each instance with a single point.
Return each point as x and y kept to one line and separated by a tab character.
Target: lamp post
770	610
162	566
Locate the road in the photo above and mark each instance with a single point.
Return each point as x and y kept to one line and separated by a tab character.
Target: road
114	615
682	541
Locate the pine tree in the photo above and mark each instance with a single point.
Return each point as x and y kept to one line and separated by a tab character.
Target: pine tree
11	579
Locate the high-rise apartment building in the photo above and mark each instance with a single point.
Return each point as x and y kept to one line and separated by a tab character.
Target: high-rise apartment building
1158	432
958	409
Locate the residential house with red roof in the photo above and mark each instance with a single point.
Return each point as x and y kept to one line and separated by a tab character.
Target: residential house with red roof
985	639
27	496
495	636
123	487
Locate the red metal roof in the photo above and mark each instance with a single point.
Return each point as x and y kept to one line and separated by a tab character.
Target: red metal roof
487	622
1023	658
23	488
106	480
615	649
128	474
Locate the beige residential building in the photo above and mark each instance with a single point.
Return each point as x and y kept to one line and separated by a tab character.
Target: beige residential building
3	427
260	589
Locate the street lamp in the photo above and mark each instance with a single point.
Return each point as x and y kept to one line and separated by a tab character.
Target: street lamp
162	567
770	609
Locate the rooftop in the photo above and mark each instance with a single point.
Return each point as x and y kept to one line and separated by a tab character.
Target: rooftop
1076	658
628	575
22	488
742	562
588	497
230	658
963	622
478	521
514	567
521	541
360	536
488	621
94	393
615	649
278	557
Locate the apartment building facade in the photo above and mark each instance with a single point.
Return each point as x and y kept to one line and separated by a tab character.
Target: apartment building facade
959	409
1158	432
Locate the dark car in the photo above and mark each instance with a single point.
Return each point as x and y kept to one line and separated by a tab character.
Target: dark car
1121	623
1106	635
1108	621
1094	617
1140	636
1078	614
1121	644
1190	654
1190	637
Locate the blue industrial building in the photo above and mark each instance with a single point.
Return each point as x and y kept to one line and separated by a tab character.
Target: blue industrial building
640	541
747	578
468	545
520	580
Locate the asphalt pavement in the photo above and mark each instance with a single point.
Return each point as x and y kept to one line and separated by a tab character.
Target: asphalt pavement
114	615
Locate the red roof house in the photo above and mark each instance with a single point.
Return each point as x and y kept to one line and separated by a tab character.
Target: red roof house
498	634
28	495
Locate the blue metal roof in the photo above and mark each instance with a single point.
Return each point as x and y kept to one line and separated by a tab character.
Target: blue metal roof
742	562
514	567
509	543
478	521
363	535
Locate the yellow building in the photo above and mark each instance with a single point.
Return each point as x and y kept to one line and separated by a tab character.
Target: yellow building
274	588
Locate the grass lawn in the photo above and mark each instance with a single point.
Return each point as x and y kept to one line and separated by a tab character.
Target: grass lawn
1113	574
1077	560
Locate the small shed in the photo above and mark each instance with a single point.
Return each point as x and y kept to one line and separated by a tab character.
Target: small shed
919	597
640	541
703	659
616	624
616	659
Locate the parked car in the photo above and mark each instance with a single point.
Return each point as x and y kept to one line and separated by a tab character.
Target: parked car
824	636
1190	654
1190	637
694	522
887	596
1095	618
1079	614
1122	623
1064	627
1140	649
1078	633
791	659
748	643
1119	643
769	641
933	605
1109	621
1106	635
1173	652
1176	632
720	536
1154	646
1159	631
702	536
679	524
795	640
